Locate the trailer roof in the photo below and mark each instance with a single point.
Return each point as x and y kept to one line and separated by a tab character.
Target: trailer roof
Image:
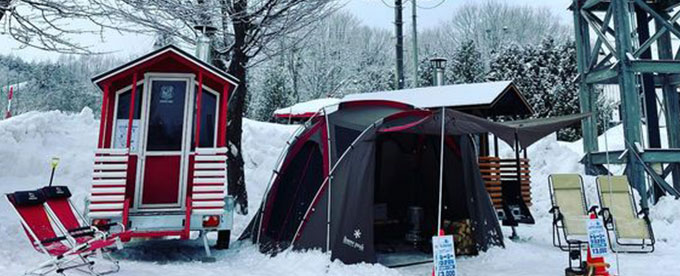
154	56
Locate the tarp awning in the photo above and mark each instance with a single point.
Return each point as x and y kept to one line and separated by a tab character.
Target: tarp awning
526	132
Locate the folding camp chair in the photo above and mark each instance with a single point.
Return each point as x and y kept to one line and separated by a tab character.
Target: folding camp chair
569	209
58	203
632	228
65	251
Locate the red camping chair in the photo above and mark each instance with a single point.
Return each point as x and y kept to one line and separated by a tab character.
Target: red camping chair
64	250
58	200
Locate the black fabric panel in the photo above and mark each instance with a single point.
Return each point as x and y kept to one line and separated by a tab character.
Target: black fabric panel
313	234
56	192
352	205
343	139
27	198
485	226
293	194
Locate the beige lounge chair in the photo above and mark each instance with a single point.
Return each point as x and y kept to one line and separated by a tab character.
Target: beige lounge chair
632	229
569	209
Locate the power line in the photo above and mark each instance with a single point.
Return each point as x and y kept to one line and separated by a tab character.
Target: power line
392	6
433	7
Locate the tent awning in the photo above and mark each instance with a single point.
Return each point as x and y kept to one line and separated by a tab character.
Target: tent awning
526	132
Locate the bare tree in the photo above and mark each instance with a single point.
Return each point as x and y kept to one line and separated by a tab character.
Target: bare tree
245	30
492	24
52	25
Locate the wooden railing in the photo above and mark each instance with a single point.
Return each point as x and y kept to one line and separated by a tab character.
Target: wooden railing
496	170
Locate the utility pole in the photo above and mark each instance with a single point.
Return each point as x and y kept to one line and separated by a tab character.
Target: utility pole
415	43
398	24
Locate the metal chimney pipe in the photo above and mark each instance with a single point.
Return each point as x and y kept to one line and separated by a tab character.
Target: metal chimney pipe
439	64
203	47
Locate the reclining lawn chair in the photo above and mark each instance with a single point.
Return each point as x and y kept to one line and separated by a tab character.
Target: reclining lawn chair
58	202
569	209
65	251
632	229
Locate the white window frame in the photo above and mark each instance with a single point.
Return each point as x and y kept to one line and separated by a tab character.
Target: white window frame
184	152
115	112
217	117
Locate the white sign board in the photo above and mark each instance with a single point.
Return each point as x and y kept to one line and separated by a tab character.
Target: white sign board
120	140
597	239
443	250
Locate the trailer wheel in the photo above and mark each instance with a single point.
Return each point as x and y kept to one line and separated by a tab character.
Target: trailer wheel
223	239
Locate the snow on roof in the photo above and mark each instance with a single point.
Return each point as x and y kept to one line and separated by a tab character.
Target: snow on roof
437	96
306	108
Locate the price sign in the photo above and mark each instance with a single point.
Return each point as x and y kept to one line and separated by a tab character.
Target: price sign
120	139
597	239
444	256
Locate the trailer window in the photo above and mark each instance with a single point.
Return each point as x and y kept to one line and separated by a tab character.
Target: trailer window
122	119
208	120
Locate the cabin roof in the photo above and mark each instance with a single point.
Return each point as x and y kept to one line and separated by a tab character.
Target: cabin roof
486	98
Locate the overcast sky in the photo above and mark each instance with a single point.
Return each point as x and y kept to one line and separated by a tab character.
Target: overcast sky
375	13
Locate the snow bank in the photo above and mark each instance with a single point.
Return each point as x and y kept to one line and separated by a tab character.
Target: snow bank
28	141
262	146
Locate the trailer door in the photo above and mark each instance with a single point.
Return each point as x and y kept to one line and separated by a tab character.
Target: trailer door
164	153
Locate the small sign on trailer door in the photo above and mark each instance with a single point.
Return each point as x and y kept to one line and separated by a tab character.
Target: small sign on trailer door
597	239
443	250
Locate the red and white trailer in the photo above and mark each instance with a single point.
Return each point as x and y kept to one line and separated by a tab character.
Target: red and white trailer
165	176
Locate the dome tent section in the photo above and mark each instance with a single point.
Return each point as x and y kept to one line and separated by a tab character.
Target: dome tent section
345	224
371	151
301	173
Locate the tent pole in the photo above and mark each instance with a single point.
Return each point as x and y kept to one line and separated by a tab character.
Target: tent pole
441	172
330	183
519	178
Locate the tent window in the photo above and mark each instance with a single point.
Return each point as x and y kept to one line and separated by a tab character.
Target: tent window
122	118
344	138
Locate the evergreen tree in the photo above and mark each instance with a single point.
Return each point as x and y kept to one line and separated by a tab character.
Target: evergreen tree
425	73
276	93
466	65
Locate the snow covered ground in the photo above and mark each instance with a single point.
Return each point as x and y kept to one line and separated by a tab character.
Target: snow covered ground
28	141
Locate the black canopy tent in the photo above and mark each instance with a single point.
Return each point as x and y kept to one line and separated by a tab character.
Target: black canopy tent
368	164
